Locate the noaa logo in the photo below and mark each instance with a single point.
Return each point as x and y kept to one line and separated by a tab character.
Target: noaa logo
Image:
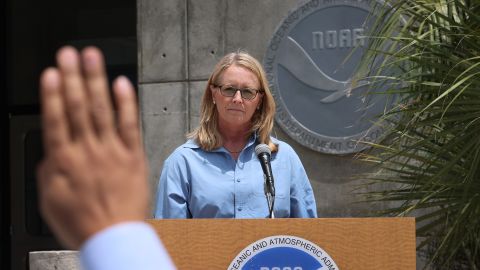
283	252
310	64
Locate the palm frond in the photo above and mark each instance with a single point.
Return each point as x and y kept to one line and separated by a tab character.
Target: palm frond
427	54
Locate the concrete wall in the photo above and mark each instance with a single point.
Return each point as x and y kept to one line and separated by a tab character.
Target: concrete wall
53	260
179	43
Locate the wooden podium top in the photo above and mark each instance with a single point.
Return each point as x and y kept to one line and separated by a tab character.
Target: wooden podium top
353	243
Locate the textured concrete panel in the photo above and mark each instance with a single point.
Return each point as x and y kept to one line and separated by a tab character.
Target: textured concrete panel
162	40
206	46
164	123
332	179
196	93
53	260
251	23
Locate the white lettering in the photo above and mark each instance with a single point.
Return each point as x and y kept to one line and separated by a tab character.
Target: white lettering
343	38
331	39
358	37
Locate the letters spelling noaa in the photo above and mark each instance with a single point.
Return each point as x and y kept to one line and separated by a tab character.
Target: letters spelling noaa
343	38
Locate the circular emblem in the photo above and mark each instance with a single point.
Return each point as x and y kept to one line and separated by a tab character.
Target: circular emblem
310	62
283	252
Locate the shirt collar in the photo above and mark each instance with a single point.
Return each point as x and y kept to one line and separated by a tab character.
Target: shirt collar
191	143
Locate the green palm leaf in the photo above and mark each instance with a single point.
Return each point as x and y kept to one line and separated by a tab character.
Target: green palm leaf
428	53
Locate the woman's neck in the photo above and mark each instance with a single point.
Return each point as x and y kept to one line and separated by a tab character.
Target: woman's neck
234	137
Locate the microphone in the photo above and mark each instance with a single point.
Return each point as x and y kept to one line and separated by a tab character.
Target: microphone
263	153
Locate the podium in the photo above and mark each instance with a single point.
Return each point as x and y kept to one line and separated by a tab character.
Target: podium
353	243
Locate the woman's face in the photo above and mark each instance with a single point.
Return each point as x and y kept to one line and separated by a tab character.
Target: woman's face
236	110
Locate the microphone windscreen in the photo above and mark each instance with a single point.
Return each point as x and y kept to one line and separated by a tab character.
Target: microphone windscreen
262	148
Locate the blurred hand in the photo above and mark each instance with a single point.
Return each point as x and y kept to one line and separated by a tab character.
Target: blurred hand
94	172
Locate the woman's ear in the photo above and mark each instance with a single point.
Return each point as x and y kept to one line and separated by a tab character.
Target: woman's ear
212	89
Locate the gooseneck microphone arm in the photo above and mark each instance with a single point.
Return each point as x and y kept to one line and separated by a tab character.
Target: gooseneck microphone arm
263	153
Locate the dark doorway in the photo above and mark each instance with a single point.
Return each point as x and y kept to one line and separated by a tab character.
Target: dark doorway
34	30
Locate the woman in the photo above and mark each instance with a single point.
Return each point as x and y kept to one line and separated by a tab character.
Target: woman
216	173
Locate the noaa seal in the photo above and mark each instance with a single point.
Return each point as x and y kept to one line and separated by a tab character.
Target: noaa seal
282	252
309	62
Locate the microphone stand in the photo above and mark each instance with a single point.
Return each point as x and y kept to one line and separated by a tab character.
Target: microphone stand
270	194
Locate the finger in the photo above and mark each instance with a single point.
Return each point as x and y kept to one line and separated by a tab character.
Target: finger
55	125
97	85
127	112
74	92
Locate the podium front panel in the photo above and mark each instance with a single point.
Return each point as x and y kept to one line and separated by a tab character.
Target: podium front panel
353	243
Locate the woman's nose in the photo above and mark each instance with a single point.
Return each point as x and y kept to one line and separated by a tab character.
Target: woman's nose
237	98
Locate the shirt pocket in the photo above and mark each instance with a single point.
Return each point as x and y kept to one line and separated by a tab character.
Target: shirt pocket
258	200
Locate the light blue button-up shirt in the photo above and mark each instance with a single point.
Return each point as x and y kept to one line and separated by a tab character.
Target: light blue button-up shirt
210	184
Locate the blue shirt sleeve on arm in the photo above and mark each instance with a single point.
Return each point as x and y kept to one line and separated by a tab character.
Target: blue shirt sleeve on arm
172	191
125	246
302	199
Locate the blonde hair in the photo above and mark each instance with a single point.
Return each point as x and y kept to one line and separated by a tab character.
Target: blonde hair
207	135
